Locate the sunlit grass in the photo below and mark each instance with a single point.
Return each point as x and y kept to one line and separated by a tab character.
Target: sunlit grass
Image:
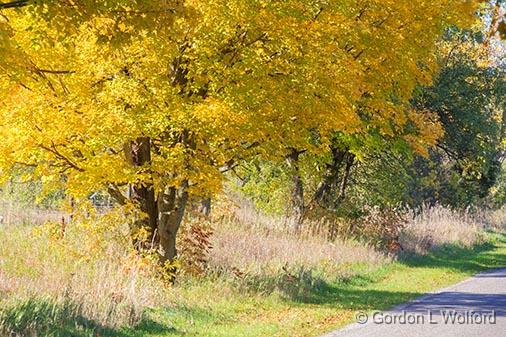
257	283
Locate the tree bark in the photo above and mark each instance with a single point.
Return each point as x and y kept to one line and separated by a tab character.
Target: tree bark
203	206
171	205
350	161
163	212
492	30
138	154
501	153
332	190
327	188
297	207
14	4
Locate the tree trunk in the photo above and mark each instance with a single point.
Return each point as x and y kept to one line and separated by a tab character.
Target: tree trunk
297	207
326	190
350	161
162	213
492	30
203	207
138	154
501	153
171	205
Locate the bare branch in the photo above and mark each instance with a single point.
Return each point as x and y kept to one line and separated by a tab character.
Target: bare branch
59	155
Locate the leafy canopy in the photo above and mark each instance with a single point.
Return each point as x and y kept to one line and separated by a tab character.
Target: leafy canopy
207	82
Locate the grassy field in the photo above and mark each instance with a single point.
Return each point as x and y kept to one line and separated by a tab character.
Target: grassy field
222	307
258	279
216	310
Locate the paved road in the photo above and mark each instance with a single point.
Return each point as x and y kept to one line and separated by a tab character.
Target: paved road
475	307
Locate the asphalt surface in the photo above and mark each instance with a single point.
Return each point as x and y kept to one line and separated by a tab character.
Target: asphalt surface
475	307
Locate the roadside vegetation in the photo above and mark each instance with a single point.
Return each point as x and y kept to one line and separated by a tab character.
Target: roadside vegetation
242	274
244	168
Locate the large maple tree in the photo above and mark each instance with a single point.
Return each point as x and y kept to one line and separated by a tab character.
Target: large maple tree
159	98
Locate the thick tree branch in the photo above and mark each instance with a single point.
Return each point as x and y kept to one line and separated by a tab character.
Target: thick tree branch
116	194
14	4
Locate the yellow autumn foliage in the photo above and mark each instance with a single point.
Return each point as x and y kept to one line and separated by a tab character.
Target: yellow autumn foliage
80	79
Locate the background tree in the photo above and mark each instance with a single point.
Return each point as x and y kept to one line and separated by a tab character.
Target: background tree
468	97
465	103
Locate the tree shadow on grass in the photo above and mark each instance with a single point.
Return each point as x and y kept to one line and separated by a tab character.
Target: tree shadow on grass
146	327
38	317
356	299
305	288
458	258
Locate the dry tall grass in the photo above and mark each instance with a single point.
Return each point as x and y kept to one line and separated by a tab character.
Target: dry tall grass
104	286
259	251
18	213
262	253
496	219
435	226
250	242
92	270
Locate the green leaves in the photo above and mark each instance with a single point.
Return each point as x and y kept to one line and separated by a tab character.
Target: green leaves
468	97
